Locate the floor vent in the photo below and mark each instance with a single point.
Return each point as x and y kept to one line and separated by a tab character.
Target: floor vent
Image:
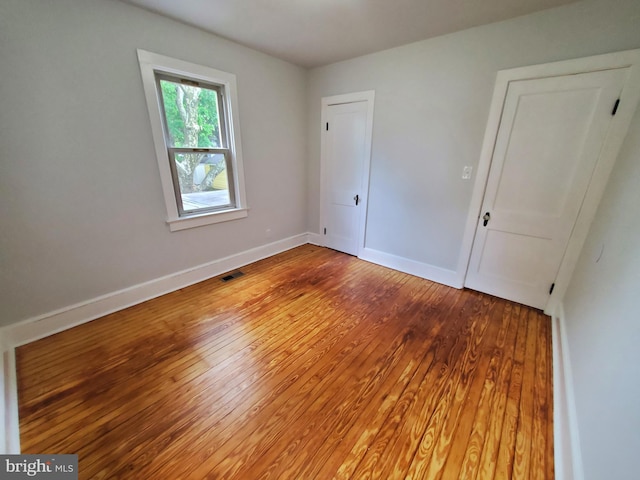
231	276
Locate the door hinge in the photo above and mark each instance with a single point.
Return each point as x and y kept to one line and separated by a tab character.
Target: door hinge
615	107
325	230
553	285
327	126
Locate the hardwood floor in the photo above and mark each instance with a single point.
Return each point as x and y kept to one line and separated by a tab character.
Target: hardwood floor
314	364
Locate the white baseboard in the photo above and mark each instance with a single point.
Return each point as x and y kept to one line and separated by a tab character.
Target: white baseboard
567	453
50	323
422	270
315	238
53	322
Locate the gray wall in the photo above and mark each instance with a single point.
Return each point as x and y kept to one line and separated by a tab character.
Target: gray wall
431	107
81	206
602	312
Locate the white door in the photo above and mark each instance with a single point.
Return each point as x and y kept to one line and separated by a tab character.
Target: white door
548	143
345	161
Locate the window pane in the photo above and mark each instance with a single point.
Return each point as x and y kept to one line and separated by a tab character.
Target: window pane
203	180
191	115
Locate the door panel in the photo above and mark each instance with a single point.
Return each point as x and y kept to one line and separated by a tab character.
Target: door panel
544	133
546	149
344	164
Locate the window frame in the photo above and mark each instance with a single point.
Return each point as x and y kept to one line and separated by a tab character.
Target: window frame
222	149
154	67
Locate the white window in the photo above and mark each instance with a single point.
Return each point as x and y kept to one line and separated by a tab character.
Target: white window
196	132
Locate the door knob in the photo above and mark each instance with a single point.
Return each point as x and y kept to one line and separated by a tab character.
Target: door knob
357	199
486	217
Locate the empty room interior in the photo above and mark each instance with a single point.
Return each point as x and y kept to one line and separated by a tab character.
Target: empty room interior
321	239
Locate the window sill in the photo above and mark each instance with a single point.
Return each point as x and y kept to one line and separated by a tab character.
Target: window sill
193	221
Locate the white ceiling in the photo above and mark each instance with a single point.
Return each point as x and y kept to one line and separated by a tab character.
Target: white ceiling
311	33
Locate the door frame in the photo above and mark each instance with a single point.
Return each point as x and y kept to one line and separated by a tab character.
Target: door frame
613	142
368	97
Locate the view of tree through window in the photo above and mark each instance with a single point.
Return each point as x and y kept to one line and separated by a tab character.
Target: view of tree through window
196	143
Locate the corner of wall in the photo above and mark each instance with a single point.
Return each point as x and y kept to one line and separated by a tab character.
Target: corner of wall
314	238
9	428
3	397
567	453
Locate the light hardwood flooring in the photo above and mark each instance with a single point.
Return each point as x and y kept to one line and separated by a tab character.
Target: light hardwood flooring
313	365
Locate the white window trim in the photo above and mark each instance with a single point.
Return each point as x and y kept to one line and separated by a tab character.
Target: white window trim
151	63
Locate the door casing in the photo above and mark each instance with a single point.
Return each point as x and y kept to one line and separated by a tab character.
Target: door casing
619	126
368	97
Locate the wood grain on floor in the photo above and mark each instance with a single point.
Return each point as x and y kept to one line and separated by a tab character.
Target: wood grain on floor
314	364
